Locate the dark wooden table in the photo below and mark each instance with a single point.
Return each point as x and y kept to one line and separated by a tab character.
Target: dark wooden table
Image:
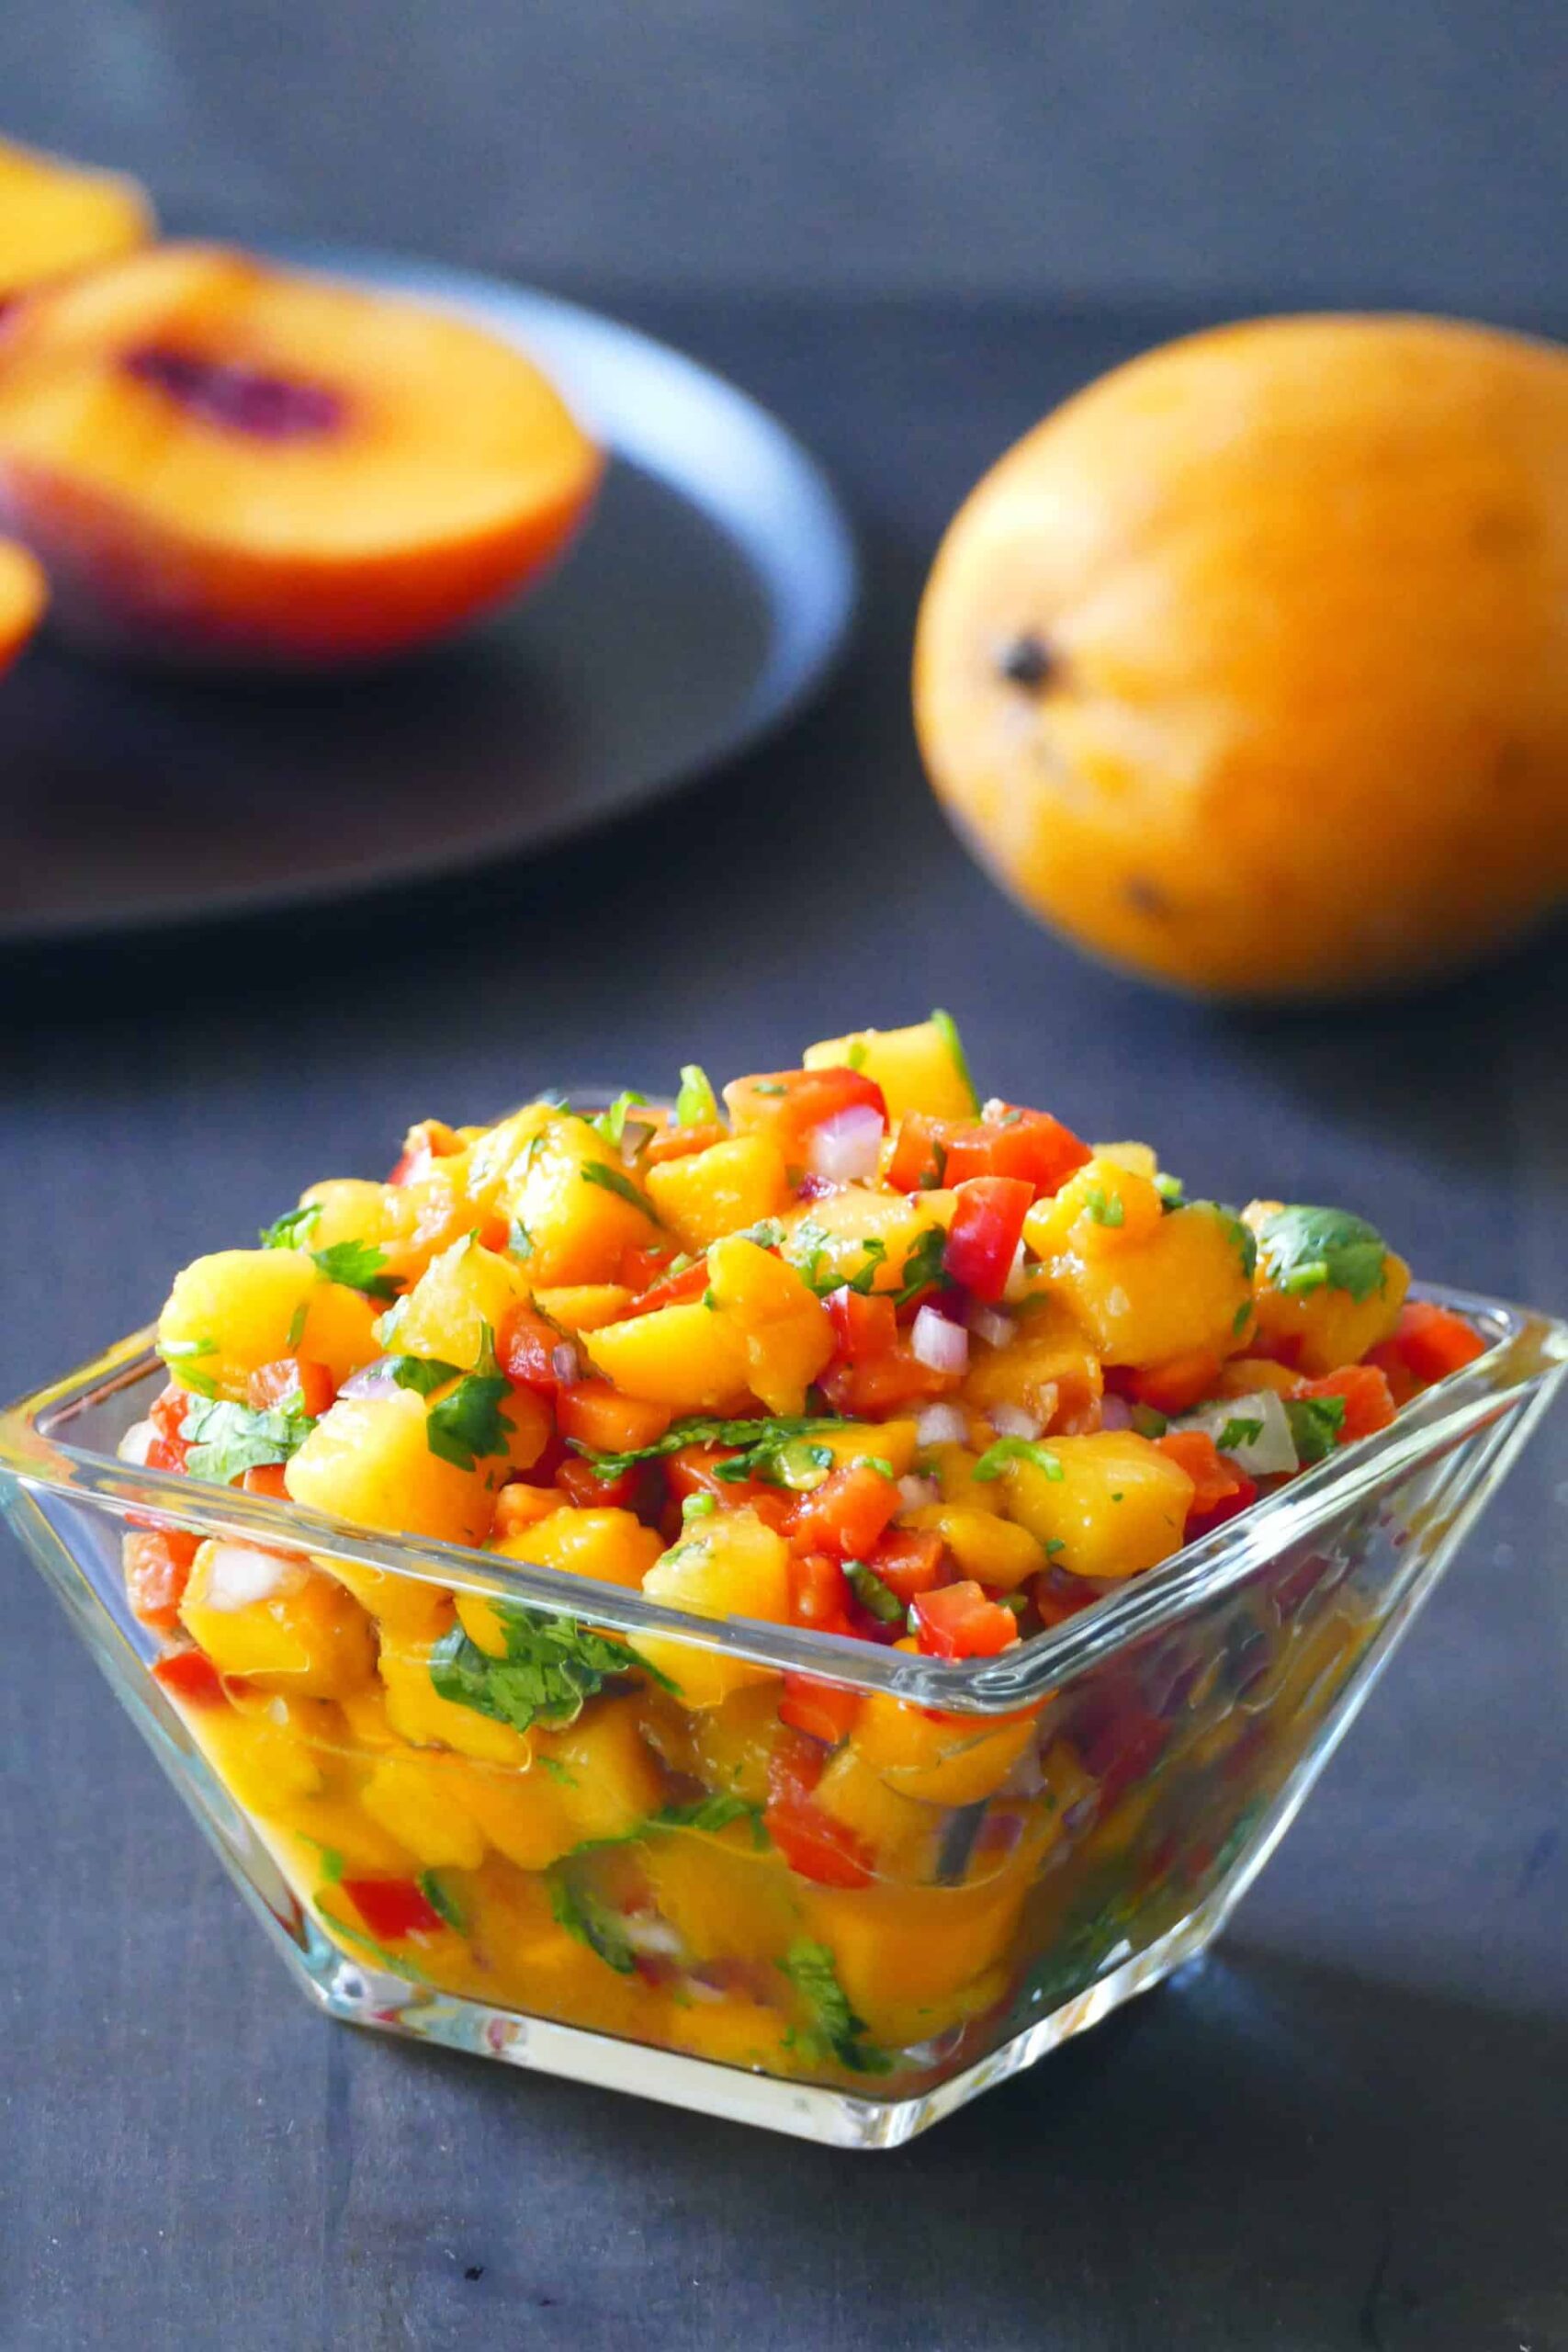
1346	2129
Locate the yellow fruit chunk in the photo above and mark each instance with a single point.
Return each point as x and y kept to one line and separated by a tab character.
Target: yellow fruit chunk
687	1357
941	1759
1182	1288
612	1545
993	1551
575	1201
916	1068
457	1307
732	1566
277	1622
416	1800
1101	1210
725	1900
408	1223
230	1312
1118	1506
1046	1369
584	1306
731	1744
270	1758
608	1776
840	1236
895	1443
787	1335
902	1835
495	1156
904	1956
523	1813
56	217
368	1460
1140	1158
1325	1325
712	1192
416	1710
405	1604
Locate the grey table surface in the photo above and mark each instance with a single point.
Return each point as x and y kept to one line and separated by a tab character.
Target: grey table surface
1344	2129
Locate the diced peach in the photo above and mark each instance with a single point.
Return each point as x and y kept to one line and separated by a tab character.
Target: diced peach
218	460
57	217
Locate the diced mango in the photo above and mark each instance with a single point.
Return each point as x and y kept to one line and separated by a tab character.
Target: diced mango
688	1357
1181	1288
416	1799
940	1759
1046	1369
1327	1327
584	1306
732	1566
840	1236
895	1443
416	1710
725	1901
732	1743
577	1205
709	1193
457	1305
902	1835
609	1778
230	1312
1103	1209
612	1545
787	1335
906	1955
1140	1158
271	1757
493	1158
916	1068
277	1622
404	1605
994	1550
522	1813
368	1460
1118	1505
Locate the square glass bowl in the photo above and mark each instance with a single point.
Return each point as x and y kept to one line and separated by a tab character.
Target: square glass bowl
997	1854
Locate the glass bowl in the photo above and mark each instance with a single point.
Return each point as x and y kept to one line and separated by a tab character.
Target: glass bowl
1054	1830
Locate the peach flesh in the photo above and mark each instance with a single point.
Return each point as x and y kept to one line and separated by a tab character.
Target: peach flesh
240	400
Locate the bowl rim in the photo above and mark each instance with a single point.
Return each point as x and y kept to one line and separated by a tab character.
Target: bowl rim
1514	1378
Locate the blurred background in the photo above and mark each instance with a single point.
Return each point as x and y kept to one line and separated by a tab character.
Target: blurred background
1211	153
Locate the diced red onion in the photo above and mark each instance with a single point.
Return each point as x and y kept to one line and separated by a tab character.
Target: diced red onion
916	1494
988	1324
943	1425
373	1380
935	1341
237	1576
137	1444
1011	1421
646	1932
845	1150
1115	1413
566	1364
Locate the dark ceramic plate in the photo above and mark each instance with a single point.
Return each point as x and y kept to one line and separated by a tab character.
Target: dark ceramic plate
705	599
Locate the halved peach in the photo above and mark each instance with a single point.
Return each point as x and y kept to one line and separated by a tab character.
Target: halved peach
218	460
21	600
56	217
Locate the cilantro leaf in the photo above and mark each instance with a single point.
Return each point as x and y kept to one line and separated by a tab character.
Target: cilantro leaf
947	1030
835	2030
761	1440
871	1593
1170	1192
289	1231
697	1103
1305	1250
712	1813
357	1266
423	1374
583	1915
1316	1423
612	1124
1006	1450
922	1266
228	1440
430	1885
616	1181
469	1422
552	1664
1238	1432
1103	1208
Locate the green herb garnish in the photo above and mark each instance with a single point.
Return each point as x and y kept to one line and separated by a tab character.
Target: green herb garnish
440	1902
1236	1433
947	1030
612	1124
616	1181
289	1231
357	1266
1316	1423
581	1913
871	1593
756	1440
1105	1209
520	1241
423	1374
835	2030
469	1422
1306	1249
1007	1450
551	1667
228	1440
696	1103
1169	1190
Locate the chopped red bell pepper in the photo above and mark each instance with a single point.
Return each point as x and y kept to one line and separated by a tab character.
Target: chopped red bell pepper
884	1383
581	1485
273	1384
526	1351
1174	1387
824	1711
694	1471
1215	1481
267	1479
679	1143
909	1561
669	1290
1029	1145
157	1563
786	1104
957	1620
1369	1400
190	1675
987	1225
597	1414
847	1514
812	1842
919	1158
167	1413
819	1593
862	1326
392	1908
1432	1341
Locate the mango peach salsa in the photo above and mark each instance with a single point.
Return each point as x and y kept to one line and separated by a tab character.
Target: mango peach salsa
853	1353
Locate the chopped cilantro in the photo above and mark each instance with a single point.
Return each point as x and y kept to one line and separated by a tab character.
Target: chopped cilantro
769	1086
228	1440
712	1813
296	1323
616	1181
423	1374
289	1231
440	1902
582	1914
1236	1433
185	1351
1306	1249
551	1666
1169	1190
469	1422
1006	1450
1241	1318
947	1030
1054	1543
871	1593
520	1241
855	1058
767	1233
835	2031
696	1103
791	1462
922	1267
331	1864
357	1266
1316	1423
612	1124
698	1507
759	1438
1104	1209
877	1461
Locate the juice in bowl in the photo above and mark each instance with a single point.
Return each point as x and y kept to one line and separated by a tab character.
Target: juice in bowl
793	1600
